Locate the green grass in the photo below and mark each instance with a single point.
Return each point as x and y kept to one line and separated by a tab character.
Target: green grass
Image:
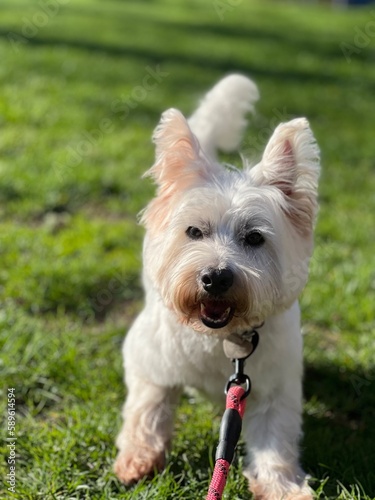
76	122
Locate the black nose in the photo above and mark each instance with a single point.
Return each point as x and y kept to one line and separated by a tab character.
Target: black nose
217	281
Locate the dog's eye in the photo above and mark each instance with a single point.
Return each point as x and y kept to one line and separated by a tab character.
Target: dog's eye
254	239
194	233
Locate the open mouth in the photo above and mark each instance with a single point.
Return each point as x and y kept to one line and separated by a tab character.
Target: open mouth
216	313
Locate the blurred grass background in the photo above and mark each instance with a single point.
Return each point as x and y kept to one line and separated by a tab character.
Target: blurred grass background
82	85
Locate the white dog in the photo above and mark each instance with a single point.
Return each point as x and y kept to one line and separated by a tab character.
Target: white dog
225	250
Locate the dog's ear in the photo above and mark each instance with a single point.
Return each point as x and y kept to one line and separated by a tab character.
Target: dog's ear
179	165
291	163
179	161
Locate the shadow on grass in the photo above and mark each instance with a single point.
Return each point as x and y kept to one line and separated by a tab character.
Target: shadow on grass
208	60
339	426
338	446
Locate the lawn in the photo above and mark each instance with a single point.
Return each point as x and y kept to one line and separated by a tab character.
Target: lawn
83	84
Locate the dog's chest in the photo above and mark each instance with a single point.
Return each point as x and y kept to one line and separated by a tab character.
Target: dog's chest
198	361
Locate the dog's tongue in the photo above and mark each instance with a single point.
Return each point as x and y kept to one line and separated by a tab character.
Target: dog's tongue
215	309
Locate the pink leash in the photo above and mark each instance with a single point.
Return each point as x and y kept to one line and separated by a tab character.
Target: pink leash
238	349
235	408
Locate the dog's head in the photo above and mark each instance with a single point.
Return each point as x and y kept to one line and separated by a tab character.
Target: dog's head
227	248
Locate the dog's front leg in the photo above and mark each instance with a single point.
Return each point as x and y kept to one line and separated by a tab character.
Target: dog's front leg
272	434
146	433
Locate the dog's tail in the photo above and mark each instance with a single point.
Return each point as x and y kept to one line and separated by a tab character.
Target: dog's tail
219	121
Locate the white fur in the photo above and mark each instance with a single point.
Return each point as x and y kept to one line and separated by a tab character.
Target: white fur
220	120
169	345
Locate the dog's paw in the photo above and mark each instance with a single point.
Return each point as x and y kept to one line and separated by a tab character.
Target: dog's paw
281	488
262	492
143	462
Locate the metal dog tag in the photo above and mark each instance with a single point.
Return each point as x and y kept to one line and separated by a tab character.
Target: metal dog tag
240	346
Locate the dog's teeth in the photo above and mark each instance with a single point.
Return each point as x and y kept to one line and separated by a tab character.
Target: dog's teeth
222	318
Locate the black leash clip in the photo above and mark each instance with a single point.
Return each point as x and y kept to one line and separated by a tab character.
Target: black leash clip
239	376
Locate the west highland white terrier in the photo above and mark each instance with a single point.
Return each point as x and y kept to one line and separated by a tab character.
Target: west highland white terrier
225	250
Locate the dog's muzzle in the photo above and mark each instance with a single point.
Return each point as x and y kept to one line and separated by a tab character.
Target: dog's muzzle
216	313
215	310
